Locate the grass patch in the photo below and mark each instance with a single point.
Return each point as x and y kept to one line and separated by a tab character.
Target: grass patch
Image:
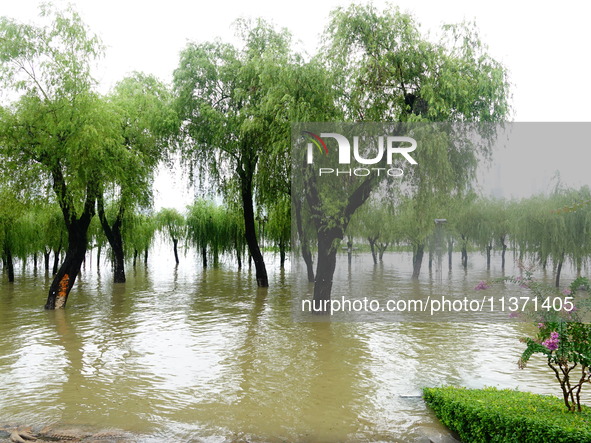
493	415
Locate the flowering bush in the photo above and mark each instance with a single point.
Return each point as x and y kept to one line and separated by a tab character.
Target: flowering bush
562	336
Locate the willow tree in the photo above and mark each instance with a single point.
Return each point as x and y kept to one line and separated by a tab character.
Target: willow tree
386	70
172	224
373	222
212	228
233	103
143	105
58	130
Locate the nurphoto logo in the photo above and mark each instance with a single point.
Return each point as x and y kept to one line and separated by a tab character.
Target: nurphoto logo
383	148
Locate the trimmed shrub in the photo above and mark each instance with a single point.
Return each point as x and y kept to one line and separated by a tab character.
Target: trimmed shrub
493	415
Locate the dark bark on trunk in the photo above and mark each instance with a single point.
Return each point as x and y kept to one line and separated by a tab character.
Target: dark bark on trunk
98	257
250	229
372	243
35	262
349	251
204	256
328	237
175	243
503	256
77	239
381	249
450	250
304	242
9	262
46	259
559	269
113	234
327	258
56	259
66	276
417	260
282	254
135	254
146	257
238	254
488	251
430	260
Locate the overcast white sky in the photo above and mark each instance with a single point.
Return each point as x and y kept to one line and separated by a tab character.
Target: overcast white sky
544	44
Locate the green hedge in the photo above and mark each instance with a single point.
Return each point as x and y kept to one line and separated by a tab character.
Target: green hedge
492	415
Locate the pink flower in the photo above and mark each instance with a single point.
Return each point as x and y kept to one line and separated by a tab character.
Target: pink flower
552	343
540	325
567	291
481	286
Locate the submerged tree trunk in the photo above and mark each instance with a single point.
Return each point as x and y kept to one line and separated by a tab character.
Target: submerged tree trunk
146	257
372	246
417	260
559	269
204	256
77	240
98	257
9	262
304	242
488	251
56	259
249	226
66	276
282	254
450	250
175	243
113	234
325	267
381	249
46	259
238	254
503	256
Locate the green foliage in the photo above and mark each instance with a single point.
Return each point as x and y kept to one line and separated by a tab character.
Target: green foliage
140	231
171	223
214	227
491	415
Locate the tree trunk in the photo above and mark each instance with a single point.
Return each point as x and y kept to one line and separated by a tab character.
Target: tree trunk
113	234
98	257
450	250
281	254
304	242
417	260
56	259
325	267
559	269
77	240
464	257
135	254
66	276
146	257
9	262
503	256
372	242
381	249
250	229
238	254
46	259
204	256
488	250
175	243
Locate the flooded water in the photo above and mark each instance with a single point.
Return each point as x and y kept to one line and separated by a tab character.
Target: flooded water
187	355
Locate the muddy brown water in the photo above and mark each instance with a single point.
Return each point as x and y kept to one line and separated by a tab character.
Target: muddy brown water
190	355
